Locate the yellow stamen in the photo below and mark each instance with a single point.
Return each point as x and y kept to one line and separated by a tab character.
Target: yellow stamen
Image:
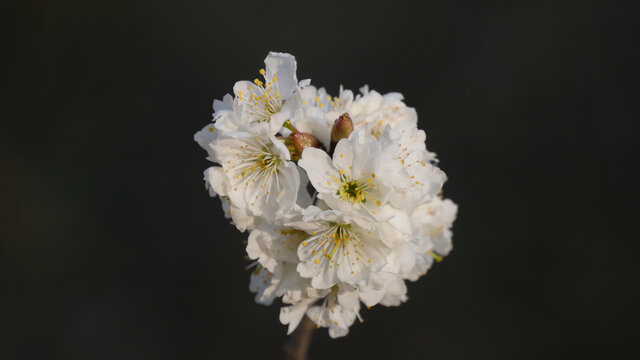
437	257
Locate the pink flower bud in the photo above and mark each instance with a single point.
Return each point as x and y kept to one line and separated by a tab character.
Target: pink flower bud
303	140
342	128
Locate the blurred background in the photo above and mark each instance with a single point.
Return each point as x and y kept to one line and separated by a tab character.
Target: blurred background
112	248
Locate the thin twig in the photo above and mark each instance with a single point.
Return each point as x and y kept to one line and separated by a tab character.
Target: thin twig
296	345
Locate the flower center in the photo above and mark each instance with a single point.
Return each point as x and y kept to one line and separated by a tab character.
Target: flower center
340	236
261	162
266	161
353	191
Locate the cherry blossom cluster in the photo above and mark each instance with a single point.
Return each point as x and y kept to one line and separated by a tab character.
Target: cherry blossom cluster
340	197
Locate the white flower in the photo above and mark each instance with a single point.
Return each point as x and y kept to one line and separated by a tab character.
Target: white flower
265	284
320	111
434	220
223	113
318	102
350	181
395	290
338	311
373	112
369	111
363	216
259	174
283	280
218	185
292	315
432	228
340	248
383	288
223	120
269	103
407	166
401	258
356	180
205	137
271	244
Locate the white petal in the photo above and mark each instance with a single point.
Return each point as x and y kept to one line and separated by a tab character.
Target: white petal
258	245
284	65
304	83
319	168
215	181
205	136
348	296
242	218
293	314
336	332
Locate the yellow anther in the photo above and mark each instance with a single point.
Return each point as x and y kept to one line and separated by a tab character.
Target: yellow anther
262	72
437	257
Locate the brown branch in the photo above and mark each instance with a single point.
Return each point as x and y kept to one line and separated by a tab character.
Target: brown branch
296	345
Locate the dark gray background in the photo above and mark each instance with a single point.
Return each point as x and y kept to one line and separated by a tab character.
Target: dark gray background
112	249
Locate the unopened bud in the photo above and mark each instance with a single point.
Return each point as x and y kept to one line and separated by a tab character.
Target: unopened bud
342	128
304	140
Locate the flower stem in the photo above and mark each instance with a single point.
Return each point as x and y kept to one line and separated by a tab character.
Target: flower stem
287	124
296	345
